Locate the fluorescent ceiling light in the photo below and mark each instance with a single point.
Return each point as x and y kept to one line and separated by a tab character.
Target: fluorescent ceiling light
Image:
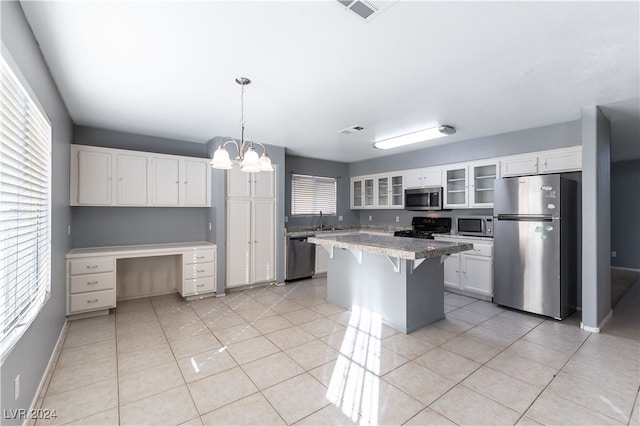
415	137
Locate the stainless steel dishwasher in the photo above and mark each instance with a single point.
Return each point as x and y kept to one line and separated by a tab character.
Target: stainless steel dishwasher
301	258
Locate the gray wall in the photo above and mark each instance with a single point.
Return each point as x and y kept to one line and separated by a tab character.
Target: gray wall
528	140
107	226
596	218
217	213
625	211
31	354
315	167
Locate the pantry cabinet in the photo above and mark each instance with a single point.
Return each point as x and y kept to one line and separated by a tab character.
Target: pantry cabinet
115	177
251	224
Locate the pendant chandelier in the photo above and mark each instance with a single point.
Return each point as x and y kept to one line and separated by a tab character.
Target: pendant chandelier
247	156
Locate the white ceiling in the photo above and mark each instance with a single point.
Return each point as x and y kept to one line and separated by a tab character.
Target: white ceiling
168	68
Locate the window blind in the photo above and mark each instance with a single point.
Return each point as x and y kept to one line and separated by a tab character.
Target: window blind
25	208
313	194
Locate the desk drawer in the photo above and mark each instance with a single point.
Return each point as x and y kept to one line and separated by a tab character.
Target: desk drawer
199	256
198	285
199	270
92	301
91	266
92	282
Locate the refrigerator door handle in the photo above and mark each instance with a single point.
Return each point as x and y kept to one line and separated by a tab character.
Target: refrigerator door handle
526	217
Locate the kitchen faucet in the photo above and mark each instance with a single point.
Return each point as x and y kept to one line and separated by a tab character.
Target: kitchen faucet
321	221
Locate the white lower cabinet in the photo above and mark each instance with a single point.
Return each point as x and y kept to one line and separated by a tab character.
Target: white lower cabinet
198	272
92	284
470	272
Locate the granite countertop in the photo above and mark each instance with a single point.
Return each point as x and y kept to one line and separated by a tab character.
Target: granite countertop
404	248
300	231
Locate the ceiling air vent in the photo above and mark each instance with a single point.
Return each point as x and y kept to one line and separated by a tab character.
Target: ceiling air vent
351	129
366	9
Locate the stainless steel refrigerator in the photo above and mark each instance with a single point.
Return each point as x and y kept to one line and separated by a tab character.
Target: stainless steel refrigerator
535	244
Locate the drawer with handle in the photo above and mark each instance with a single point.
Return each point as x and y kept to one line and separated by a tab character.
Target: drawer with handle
199	270
92	301
91	265
198	285
199	256
92	282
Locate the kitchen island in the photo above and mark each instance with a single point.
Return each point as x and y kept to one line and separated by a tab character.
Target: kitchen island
399	279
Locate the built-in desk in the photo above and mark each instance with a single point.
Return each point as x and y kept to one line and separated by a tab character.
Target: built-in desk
93	273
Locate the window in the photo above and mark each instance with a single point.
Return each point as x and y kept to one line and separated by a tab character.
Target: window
312	195
25	207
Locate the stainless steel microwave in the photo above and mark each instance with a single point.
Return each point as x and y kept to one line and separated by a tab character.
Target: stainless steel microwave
423	198
476	226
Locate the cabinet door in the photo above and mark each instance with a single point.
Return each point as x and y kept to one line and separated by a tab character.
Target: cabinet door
238	183
482	178
564	161
478	274
369	193
264	184
432	177
397	191
238	242
383	190
456	185
166	181
132	180
194	183
94	178
357	194
263	244
519	166
452	271
413	179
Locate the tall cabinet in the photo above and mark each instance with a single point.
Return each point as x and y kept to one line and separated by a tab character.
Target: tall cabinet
251	236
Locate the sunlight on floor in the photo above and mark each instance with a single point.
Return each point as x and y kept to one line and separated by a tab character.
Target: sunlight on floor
354	385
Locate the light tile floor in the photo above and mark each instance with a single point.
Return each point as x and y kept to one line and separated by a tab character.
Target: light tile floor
283	355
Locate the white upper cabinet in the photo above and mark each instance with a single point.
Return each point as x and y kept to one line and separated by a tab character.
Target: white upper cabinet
91	177
423	178
482	176
116	177
381	191
194	182
551	161
133	179
166	181
456	185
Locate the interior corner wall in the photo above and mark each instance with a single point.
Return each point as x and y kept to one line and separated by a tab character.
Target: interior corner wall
315	167
596	218
625	211
31	354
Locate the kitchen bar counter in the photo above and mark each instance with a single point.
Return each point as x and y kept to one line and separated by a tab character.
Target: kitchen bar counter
399	280
400	247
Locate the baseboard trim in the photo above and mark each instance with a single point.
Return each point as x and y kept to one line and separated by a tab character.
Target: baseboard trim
600	326
50	365
625	269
